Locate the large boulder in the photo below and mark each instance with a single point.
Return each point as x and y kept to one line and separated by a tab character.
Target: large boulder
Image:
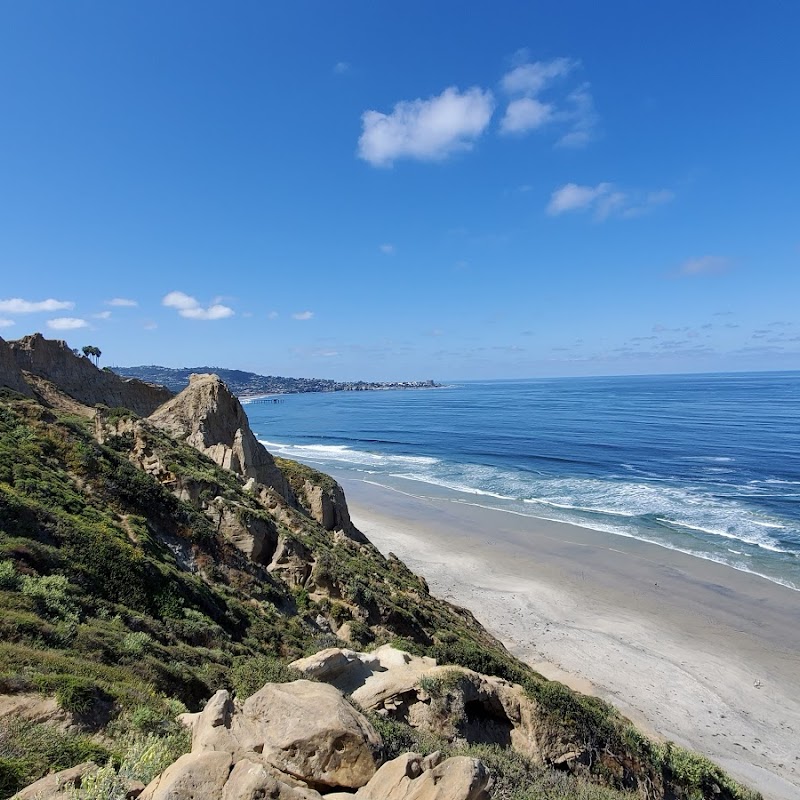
303	729
194	775
54	361
211	419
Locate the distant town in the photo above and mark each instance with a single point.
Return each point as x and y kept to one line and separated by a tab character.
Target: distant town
250	384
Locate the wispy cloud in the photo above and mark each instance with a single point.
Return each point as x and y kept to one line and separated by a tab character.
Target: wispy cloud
6	323
16	305
573	197
526	82
529	109
533	78
387	249
525	114
122	302
303	315
581	117
341	67
67	323
705	265
102	315
605	200
426	130
189	307
273	315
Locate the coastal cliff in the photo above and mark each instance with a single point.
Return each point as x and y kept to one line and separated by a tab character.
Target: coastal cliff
54	362
164	565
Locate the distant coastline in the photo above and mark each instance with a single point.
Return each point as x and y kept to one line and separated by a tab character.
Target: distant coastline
250	386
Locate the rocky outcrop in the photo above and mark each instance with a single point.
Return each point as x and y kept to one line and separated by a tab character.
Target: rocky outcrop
209	418
54	361
302	729
414	777
255	536
453	702
327	505
303	741
58	785
11	376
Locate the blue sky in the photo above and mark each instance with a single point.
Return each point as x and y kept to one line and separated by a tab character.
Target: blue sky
404	190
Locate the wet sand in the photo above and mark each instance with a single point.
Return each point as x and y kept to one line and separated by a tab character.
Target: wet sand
691	650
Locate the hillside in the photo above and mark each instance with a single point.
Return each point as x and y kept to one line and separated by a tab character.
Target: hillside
147	562
249	384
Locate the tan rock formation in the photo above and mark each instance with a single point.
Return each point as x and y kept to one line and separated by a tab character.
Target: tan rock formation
255	536
11	376
210	418
412	777
54	361
57	785
450	701
304	730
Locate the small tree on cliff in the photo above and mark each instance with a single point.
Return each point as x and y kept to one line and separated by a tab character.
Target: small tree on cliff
90	351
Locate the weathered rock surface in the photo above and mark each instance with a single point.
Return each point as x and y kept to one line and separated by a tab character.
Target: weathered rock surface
77	377
303	729
328	506
211	419
412	777
255	536
57	785
11	376
457	703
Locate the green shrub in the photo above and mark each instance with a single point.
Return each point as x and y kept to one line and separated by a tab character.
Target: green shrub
51	595
10	580
30	750
249	674
136	643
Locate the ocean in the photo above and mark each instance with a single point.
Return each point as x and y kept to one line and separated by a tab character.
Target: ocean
705	464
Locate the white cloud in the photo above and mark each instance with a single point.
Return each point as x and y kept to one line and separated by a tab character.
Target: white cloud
534	78
102	315
527	111
66	323
189	307
525	114
651	200
122	302
273	315
388	249
428	130
6	323
16	305
705	265
572	197
341	67
581	117
303	315
605	200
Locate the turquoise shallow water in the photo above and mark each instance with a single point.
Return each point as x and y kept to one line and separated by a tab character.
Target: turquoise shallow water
705	464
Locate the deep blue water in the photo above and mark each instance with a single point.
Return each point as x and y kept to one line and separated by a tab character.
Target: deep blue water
706	464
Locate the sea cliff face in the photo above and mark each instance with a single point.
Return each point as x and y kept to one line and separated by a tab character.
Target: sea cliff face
154	563
53	361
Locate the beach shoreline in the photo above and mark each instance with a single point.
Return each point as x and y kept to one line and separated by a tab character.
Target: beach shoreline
691	650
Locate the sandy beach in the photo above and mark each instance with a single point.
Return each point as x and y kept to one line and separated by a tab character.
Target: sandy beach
691	650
